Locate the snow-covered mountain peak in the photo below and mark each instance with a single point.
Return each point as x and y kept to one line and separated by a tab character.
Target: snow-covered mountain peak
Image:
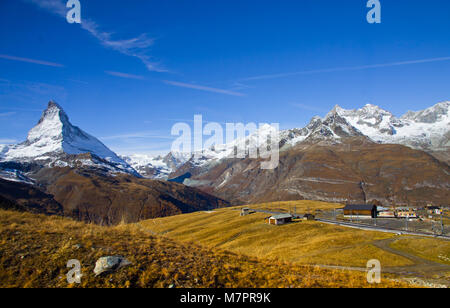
157	167
426	129
335	111
370	122
53	110
434	114
55	137
369	111
50	126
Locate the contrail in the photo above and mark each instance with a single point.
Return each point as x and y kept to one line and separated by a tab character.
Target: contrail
202	88
348	68
28	60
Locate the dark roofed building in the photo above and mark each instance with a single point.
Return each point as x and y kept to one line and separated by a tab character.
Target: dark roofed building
360	210
309	217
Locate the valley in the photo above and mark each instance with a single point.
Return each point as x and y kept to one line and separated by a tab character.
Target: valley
309	242
224	152
176	217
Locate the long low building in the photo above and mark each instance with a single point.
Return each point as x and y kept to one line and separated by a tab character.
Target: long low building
386	214
280	219
360	211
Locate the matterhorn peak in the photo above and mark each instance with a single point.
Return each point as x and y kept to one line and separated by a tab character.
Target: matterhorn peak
54	137
53	110
53	122
53	104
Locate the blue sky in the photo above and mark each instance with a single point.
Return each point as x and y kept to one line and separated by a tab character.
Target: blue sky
134	68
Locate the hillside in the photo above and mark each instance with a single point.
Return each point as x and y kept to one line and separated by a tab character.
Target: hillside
27	198
106	200
307	242
35	249
355	170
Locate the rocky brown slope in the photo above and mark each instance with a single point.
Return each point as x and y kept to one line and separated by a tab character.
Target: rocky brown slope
103	199
356	171
27	198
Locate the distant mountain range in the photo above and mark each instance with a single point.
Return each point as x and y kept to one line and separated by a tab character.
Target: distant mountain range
349	155
427	130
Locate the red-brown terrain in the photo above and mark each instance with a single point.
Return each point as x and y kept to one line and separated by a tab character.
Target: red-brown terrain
357	171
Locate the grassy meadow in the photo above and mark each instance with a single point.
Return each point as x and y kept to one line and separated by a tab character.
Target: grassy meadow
35	249
303	242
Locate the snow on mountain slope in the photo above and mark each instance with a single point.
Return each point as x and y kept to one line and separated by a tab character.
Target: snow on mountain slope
15	176
426	130
156	167
161	167
256	139
331	129
149	166
3	149
54	137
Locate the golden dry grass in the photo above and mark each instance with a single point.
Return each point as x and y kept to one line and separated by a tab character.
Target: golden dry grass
303	242
430	249
34	251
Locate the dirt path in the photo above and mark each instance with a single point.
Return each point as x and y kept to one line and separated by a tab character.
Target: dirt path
423	269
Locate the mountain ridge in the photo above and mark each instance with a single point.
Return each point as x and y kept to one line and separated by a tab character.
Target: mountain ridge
427	130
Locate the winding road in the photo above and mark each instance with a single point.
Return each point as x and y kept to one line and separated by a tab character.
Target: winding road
424	269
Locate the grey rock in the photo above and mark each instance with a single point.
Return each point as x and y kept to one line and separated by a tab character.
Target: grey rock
110	264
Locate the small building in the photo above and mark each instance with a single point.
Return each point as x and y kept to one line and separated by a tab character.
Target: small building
309	217
386	214
246	211
406	214
434	210
280	219
382	209
360	211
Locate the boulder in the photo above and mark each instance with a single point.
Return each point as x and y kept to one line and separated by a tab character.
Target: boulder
110	264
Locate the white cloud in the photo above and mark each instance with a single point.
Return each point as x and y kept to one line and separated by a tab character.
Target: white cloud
7	114
349	68
308	107
124	75
28	60
202	88
138	135
32	92
135	47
